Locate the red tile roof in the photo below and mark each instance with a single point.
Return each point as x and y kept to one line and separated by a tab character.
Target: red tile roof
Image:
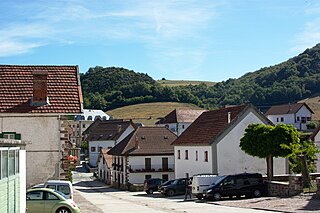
146	141
16	89
287	109
102	130
181	115
209	125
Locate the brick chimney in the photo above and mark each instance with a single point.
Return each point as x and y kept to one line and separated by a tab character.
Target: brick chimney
40	88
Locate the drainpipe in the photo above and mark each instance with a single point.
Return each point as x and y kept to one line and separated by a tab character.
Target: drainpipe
59	148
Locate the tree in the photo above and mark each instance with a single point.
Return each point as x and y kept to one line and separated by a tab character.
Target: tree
265	141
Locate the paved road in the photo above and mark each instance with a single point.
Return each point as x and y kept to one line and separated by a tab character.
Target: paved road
98	197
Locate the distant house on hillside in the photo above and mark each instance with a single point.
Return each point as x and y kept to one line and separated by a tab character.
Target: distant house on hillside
145	153
35	102
179	119
105	134
297	114
211	144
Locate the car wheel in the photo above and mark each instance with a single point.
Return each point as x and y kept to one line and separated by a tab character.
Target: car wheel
257	193
63	210
199	197
217	196
170	193
150	191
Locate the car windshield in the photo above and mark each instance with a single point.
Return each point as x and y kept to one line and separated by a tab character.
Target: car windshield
217	180
60	193
167	182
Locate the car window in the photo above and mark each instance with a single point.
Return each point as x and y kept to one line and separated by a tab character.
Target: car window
51	186
51	196
182	182
35	195
229	181
63	195
64	189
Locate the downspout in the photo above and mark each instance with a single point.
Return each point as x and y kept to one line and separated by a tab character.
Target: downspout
59	148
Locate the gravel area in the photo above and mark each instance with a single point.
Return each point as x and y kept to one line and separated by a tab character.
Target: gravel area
300	203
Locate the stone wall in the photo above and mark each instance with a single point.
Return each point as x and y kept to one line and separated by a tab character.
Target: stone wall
285	189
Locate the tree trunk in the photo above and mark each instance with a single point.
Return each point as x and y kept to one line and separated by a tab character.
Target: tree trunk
269	160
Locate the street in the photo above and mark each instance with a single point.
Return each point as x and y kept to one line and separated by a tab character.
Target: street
94	196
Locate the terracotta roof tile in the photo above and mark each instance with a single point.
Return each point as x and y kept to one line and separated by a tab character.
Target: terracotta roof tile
146	141
16	88
208	126
286	109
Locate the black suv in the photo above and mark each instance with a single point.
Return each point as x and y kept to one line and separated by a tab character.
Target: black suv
178	186
248	184
152	184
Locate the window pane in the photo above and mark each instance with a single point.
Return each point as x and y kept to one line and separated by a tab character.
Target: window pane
35	195
64	189
51	196
11	162
4	164
17	161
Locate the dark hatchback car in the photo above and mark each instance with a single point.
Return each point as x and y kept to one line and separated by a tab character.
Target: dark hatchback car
151	185
248	184
177	187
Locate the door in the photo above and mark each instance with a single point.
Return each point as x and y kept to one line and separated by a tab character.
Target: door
228	186
181	188
147	164
50	201
35	202
165	164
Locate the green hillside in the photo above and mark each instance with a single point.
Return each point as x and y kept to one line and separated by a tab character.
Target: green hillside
175	83
148	113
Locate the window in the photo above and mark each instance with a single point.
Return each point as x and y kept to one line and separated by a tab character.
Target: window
12	163
165	164
298	118
303	120
165	177
35	195
186	155
93	149
4	164
182	126
196	155
104	118
147	162
17	162
51	196
65	189
179	154
282	119
308	118
83	126
8	136
147	177
206	156
89	118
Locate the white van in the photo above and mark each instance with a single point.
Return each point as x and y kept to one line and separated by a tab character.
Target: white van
63	186
200	183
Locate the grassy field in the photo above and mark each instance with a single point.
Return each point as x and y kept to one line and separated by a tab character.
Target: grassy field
148	113
175	83
314	104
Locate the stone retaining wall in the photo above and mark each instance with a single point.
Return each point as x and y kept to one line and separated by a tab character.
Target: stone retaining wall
285	189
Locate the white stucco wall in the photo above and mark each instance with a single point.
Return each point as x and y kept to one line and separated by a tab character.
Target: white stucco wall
138	162
101	168
231	159
192	166
287	119
317	143
93	156
23	180
42	134
125	133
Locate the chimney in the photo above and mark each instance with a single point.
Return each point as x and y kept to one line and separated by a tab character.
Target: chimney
40	88
118	128
229	117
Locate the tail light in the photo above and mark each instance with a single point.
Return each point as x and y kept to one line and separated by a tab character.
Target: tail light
71	197
74	205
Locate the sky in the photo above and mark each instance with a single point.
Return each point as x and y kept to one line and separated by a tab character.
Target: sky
208	40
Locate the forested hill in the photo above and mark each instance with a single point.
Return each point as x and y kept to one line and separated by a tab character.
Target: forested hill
288	82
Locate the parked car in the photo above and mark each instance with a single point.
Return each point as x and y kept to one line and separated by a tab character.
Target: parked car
46	200
60	185
200	183
248	184
178	186
152	184
168	182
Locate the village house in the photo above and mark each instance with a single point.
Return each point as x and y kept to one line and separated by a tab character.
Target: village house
35	102
298	115
12	173
211	144
104	164
105	134
82	122
315	137
179	120
145	153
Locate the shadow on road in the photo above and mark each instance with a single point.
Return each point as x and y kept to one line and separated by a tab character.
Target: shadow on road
313	204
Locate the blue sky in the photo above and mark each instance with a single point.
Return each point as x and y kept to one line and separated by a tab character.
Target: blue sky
211	40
